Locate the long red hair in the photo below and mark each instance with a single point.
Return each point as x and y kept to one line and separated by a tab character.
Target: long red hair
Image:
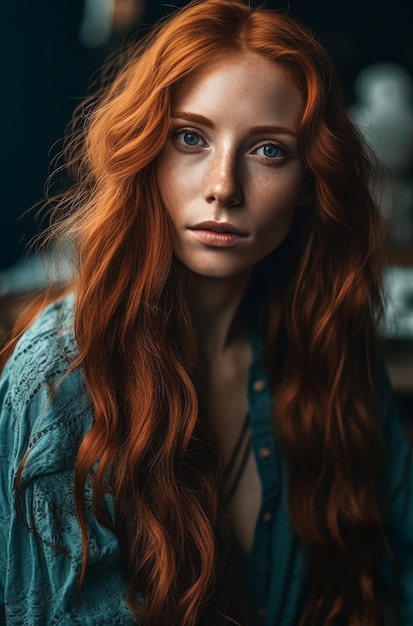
136	342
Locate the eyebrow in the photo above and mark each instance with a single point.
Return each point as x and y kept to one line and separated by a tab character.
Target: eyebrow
256	130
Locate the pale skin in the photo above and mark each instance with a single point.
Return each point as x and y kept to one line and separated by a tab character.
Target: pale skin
230	176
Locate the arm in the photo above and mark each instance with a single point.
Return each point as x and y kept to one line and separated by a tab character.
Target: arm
40	540
4	493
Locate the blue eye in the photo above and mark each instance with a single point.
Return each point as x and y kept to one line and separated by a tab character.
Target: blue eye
270	150
192	139
189	138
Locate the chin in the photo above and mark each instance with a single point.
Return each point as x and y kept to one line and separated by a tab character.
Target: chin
219	273
219	268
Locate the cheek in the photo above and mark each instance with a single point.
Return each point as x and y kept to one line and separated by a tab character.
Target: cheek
173	186
277	230
165	181
276	220
279	206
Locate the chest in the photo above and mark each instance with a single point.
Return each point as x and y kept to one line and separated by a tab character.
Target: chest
224	400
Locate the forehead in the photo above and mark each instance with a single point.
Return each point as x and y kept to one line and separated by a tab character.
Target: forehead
242	83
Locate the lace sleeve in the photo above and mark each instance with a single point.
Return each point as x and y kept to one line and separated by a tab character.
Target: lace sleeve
6	439
40	542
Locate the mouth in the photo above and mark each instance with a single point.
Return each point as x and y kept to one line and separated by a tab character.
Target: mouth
219	227
218	234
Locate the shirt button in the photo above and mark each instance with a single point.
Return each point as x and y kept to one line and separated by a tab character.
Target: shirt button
267	517
264	452
258	385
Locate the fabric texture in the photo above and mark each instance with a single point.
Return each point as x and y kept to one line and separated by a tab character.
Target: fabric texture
40	541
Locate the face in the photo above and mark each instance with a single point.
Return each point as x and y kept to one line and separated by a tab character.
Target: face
231	174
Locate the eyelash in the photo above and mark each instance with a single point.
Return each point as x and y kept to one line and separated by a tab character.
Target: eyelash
189	131
272	144
189	147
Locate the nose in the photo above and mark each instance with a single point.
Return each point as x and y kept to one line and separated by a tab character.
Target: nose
223	180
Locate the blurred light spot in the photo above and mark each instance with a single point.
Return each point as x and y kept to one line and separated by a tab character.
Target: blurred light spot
96	27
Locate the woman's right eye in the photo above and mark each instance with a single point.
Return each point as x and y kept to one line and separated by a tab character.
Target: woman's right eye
189	138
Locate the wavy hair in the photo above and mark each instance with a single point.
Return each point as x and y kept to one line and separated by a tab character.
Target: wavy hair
148	445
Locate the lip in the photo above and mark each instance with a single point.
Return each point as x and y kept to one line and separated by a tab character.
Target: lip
218	227
217	234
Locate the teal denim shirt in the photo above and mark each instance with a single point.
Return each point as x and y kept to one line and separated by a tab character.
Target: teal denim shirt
40	543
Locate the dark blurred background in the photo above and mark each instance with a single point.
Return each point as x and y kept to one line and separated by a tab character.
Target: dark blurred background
50	49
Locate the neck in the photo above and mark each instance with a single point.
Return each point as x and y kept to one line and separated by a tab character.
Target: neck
215	307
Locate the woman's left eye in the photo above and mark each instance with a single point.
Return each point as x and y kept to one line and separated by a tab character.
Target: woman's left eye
270	151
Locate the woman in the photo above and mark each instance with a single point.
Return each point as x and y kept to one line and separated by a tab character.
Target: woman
199	431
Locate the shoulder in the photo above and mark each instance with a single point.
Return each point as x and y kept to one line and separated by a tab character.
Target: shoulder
398	459
47	343
395	439
388	410
45	408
